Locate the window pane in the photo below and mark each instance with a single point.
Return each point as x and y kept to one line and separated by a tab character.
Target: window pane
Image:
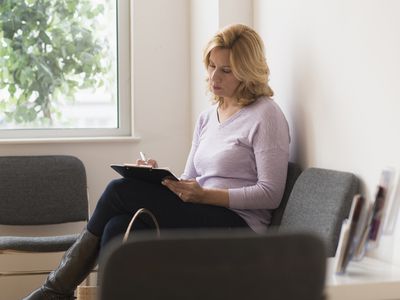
58	64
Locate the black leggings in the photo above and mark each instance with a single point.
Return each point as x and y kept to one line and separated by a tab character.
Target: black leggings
123	197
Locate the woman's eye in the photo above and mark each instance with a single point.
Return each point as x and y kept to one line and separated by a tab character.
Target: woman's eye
226	70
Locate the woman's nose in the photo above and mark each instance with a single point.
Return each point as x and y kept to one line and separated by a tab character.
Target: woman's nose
215	76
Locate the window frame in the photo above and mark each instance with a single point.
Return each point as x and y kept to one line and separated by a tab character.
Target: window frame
125	105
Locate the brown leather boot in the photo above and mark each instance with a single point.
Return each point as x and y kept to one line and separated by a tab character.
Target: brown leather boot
74	267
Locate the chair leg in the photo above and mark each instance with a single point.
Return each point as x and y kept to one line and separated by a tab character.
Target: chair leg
87	280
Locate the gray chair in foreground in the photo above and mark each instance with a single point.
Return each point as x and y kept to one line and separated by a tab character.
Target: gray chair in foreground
318	203
40	190
230	265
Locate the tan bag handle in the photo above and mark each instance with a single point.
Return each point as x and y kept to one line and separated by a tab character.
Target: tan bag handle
137	214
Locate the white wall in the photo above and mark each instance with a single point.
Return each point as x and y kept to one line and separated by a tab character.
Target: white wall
335	70
162	121
235	11
203	24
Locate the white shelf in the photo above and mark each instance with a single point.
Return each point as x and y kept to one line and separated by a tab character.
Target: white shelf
369	279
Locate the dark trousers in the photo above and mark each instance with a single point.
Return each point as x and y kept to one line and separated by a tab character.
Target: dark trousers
123	197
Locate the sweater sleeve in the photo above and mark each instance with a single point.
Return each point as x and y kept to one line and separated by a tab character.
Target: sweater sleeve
270	141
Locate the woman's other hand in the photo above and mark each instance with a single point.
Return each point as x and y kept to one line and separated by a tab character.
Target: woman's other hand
191	191
187	190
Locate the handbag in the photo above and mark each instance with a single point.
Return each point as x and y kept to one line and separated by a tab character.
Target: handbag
135	216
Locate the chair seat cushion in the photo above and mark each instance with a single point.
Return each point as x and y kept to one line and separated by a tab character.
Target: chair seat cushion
37	244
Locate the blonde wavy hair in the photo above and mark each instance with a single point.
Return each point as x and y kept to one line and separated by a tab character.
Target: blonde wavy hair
247	60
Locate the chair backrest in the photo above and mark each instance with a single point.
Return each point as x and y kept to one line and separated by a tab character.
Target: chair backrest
293	173
36	190
319	202
221	266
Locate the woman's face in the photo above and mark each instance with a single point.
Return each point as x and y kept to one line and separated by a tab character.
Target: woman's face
221	79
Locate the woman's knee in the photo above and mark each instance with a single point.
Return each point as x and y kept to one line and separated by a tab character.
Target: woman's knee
114	185
113	190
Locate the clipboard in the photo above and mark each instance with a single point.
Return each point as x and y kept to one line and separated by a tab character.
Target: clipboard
153	175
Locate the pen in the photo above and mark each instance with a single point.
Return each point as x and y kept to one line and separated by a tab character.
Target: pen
143	157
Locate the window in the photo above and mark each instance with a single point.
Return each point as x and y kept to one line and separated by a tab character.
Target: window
64	68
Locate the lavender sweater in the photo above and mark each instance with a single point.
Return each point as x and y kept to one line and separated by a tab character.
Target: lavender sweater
247	154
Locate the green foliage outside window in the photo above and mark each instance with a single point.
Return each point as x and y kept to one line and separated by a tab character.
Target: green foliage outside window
48	51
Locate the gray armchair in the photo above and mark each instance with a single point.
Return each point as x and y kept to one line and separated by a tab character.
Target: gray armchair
40	190
318	202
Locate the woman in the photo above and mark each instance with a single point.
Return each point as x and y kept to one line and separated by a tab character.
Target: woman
235	173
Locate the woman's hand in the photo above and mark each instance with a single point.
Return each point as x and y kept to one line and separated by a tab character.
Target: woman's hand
191	191
148	163
187	190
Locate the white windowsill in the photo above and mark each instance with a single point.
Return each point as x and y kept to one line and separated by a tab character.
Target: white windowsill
71	140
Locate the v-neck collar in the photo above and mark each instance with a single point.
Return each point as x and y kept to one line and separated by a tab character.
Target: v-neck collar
230	119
